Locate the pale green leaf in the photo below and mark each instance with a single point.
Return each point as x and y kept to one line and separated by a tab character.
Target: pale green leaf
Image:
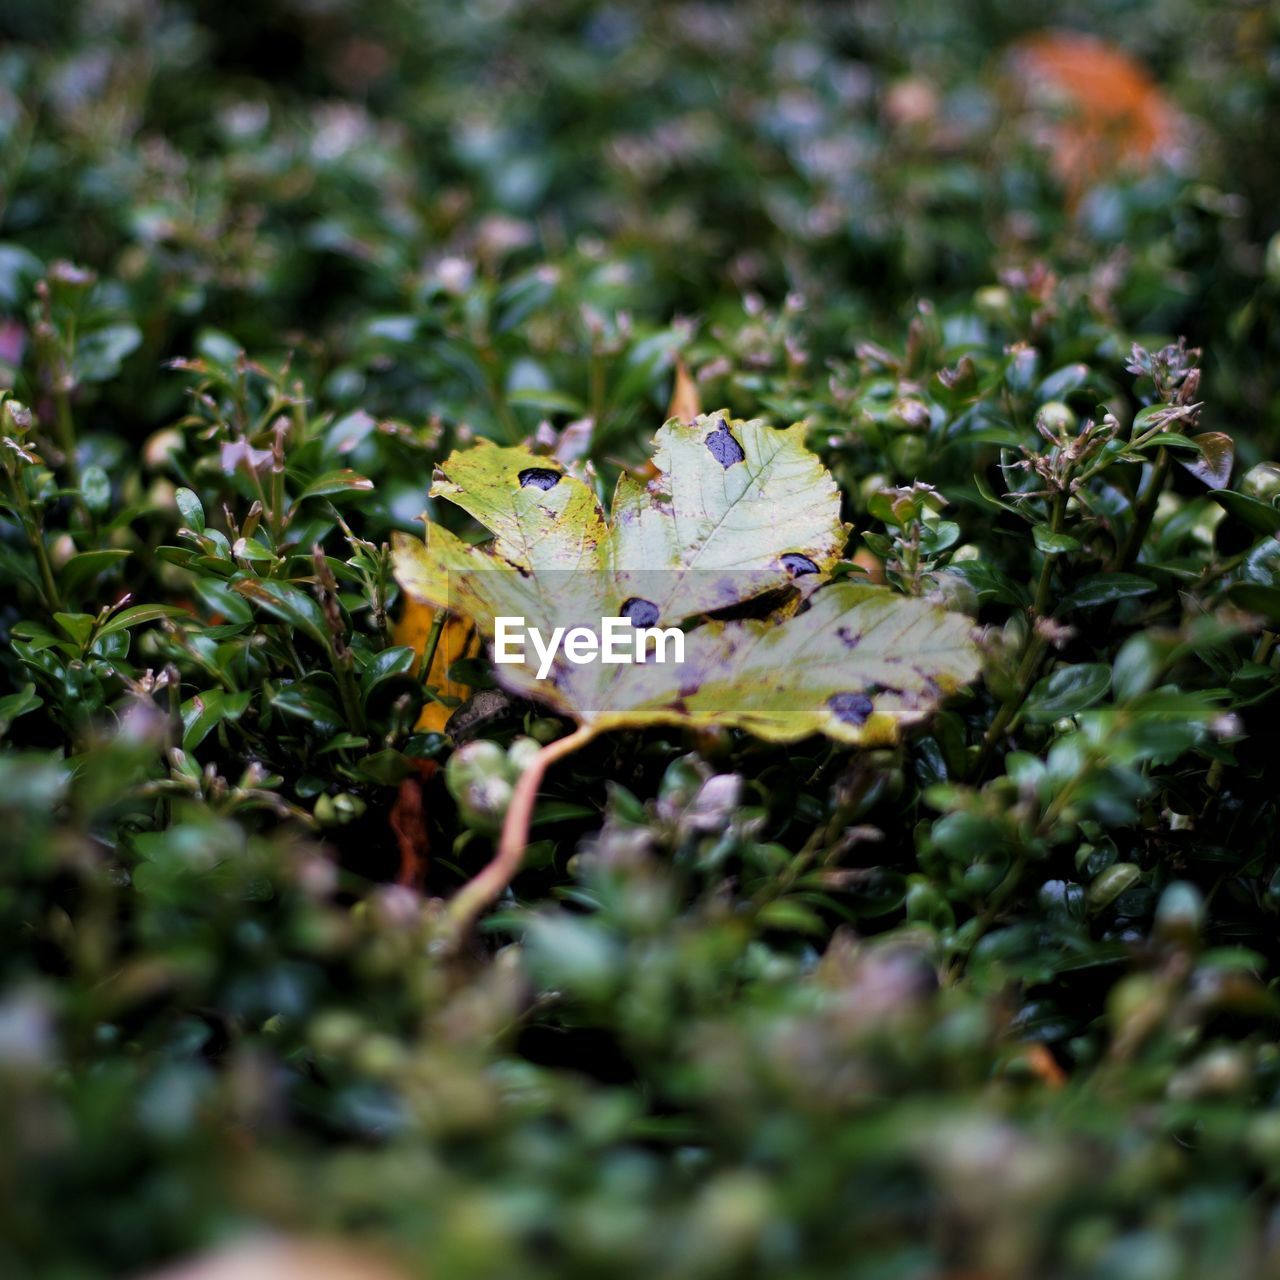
736	510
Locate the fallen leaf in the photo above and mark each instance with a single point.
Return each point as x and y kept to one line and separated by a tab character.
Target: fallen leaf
456	637
1104	115
737	511
685	404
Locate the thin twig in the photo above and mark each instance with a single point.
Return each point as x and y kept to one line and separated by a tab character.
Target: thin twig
1145	509
485	887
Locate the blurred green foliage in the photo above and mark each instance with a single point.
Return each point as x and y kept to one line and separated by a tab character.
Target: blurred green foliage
1000	1001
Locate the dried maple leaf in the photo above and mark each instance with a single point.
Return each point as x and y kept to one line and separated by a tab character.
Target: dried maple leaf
736	512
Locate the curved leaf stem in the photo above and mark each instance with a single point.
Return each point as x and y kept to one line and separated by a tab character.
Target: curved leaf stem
484	887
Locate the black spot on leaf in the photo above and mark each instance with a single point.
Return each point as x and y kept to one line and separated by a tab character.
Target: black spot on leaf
797	565
724	448
852	708
539	478
643	613
849	637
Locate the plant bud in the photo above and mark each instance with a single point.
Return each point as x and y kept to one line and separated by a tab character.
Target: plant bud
478	777
346	806
15	418
908	414
1056	418
474	761
994	303
1180	912
337	811
66	275
520	755
545	729
483	803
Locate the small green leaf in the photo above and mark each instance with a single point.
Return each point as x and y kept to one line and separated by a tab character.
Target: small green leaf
1105	588
1062	382
1054	544
304	699
335	482
548	401
387	768
218	348
1258	515
394	660
18	704
1261	566
191	509
85	566
1264	601
136	616
204	712
79	626
344	742
100	354
1172	440
1112	883
789	916
38	636
990	583
986	493
288	603
252	550
1067	691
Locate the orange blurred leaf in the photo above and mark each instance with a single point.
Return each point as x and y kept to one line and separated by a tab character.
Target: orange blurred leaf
685	404
1106	114
457	637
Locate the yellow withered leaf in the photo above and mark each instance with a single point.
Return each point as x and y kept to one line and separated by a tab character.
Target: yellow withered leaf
457	638
736	511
